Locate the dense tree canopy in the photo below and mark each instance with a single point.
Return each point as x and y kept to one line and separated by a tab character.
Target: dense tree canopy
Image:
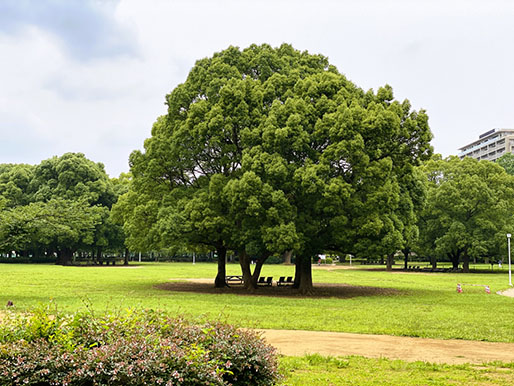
14	183
468	209
58	207
265	150
72	177
506	161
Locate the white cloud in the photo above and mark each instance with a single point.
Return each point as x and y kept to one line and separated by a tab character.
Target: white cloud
60	94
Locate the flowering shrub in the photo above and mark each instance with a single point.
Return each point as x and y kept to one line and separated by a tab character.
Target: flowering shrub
132	348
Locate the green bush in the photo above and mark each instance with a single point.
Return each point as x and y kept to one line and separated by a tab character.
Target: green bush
328	260
274	260
130	348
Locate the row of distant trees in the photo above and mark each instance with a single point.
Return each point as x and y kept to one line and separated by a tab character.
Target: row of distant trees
59	208
63	207
268	151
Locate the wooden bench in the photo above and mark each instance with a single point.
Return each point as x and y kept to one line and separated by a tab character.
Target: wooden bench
103	261
263	281
283	281
109	260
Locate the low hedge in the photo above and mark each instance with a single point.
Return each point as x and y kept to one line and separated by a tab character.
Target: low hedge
130	348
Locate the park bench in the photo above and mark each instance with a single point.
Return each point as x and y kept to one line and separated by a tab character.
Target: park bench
234	279
110	260
102	261
283	281
265	281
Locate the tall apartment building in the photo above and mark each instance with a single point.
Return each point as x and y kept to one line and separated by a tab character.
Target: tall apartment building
491	145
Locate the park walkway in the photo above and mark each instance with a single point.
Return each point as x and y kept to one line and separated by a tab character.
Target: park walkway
295	343
508	292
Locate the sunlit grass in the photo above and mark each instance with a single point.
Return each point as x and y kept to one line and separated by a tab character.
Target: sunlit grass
424	305
354	370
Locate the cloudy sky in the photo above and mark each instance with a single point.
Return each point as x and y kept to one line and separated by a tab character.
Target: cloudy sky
91	76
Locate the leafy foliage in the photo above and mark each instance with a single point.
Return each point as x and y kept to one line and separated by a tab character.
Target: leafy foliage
73	177
506	161
265	150
468	211
58	207
14	183
54	224
130	348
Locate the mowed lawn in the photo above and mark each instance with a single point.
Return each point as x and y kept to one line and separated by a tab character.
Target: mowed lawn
422	305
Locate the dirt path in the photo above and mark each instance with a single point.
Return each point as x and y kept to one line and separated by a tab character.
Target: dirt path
508	292
293	342
289	342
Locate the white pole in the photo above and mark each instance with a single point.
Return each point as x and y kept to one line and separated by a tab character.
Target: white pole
510	274
140	257
193	257
350	259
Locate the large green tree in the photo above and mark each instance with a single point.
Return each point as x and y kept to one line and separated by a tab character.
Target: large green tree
468	208
265	150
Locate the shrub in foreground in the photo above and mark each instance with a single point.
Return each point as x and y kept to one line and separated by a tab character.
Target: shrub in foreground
130	348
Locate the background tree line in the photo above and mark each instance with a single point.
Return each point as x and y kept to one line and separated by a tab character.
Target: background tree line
59	207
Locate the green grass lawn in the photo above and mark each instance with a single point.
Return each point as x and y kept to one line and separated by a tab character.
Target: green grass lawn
355	370
424	305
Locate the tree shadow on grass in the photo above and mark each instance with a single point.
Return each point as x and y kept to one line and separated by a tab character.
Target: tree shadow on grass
320	290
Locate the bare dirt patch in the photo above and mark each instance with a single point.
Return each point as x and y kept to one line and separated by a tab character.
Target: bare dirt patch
289	342
321	290
508	292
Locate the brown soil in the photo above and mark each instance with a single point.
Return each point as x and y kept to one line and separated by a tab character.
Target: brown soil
294	343
320	290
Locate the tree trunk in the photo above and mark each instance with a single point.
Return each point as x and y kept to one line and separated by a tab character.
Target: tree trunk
125	262
220	280
64	256
406	253
257	271
433	261
389	262
99	255
465	262
287	256
258	267
297	272
305	285
454	258
244	262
